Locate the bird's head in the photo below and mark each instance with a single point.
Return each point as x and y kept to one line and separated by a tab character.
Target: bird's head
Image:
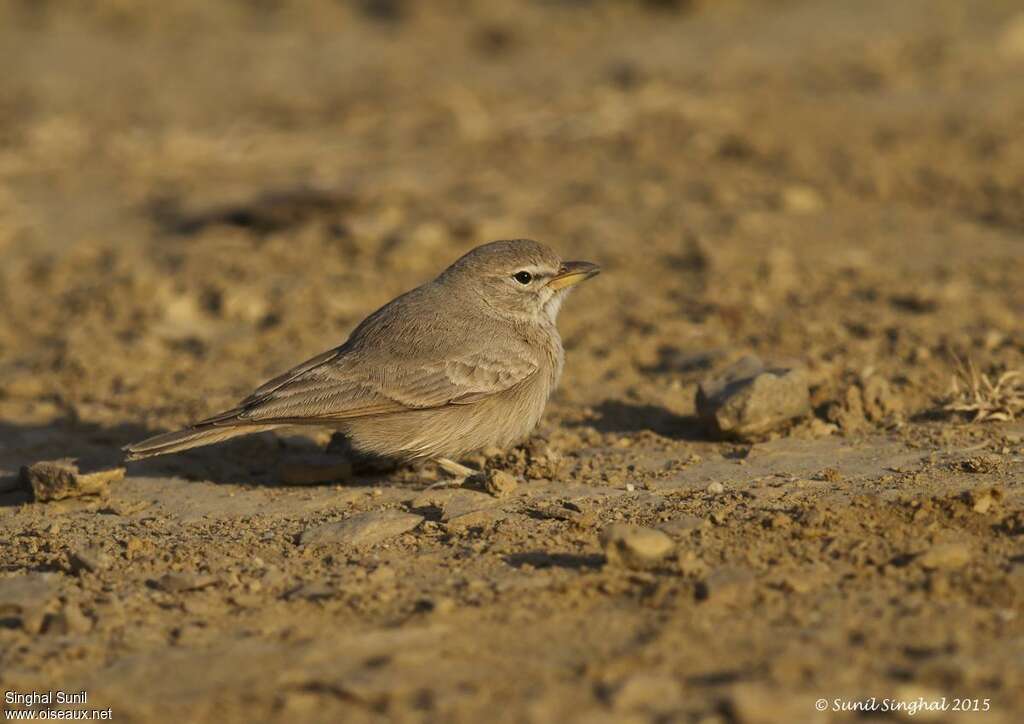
519	279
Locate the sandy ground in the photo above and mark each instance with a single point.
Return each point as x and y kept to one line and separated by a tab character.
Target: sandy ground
196	196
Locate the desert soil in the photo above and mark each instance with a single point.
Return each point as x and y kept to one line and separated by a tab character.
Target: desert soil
195	196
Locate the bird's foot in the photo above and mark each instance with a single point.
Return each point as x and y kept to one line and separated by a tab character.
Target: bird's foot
456	470
459	474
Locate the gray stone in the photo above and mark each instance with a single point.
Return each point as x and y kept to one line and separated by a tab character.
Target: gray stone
363	529
748	399
462	502
634	546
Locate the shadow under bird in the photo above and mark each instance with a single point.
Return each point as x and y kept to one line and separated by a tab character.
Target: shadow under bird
463	362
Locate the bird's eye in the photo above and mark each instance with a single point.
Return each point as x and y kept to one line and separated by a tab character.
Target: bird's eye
523	277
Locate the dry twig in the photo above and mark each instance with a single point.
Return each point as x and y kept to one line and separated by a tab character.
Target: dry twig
975	393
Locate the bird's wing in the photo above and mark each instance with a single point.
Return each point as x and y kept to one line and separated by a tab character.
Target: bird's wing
339	384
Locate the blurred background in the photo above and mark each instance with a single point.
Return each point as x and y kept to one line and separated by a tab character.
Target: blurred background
210	191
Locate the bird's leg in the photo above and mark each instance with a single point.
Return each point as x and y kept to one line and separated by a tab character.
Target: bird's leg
456	470
460	473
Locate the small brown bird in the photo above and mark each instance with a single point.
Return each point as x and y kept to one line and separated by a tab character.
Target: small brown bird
461	363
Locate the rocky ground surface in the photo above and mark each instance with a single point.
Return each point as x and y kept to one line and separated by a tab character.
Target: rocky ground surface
196	196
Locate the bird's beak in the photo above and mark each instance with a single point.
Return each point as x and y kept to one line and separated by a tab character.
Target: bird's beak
572	273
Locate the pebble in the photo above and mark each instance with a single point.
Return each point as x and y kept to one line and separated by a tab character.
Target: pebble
716	488
499	483
634	546
58	479
363	528
748	399
946	556
314	469
461	502
89	559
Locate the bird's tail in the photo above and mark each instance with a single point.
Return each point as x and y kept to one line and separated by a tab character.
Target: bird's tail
190	437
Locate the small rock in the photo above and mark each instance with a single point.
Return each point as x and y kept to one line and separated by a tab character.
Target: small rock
462	502
634	546
982	501
945	556
716	488
88	559
58	479
748	399
314	469
499	483
363	529
982	504
178	582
